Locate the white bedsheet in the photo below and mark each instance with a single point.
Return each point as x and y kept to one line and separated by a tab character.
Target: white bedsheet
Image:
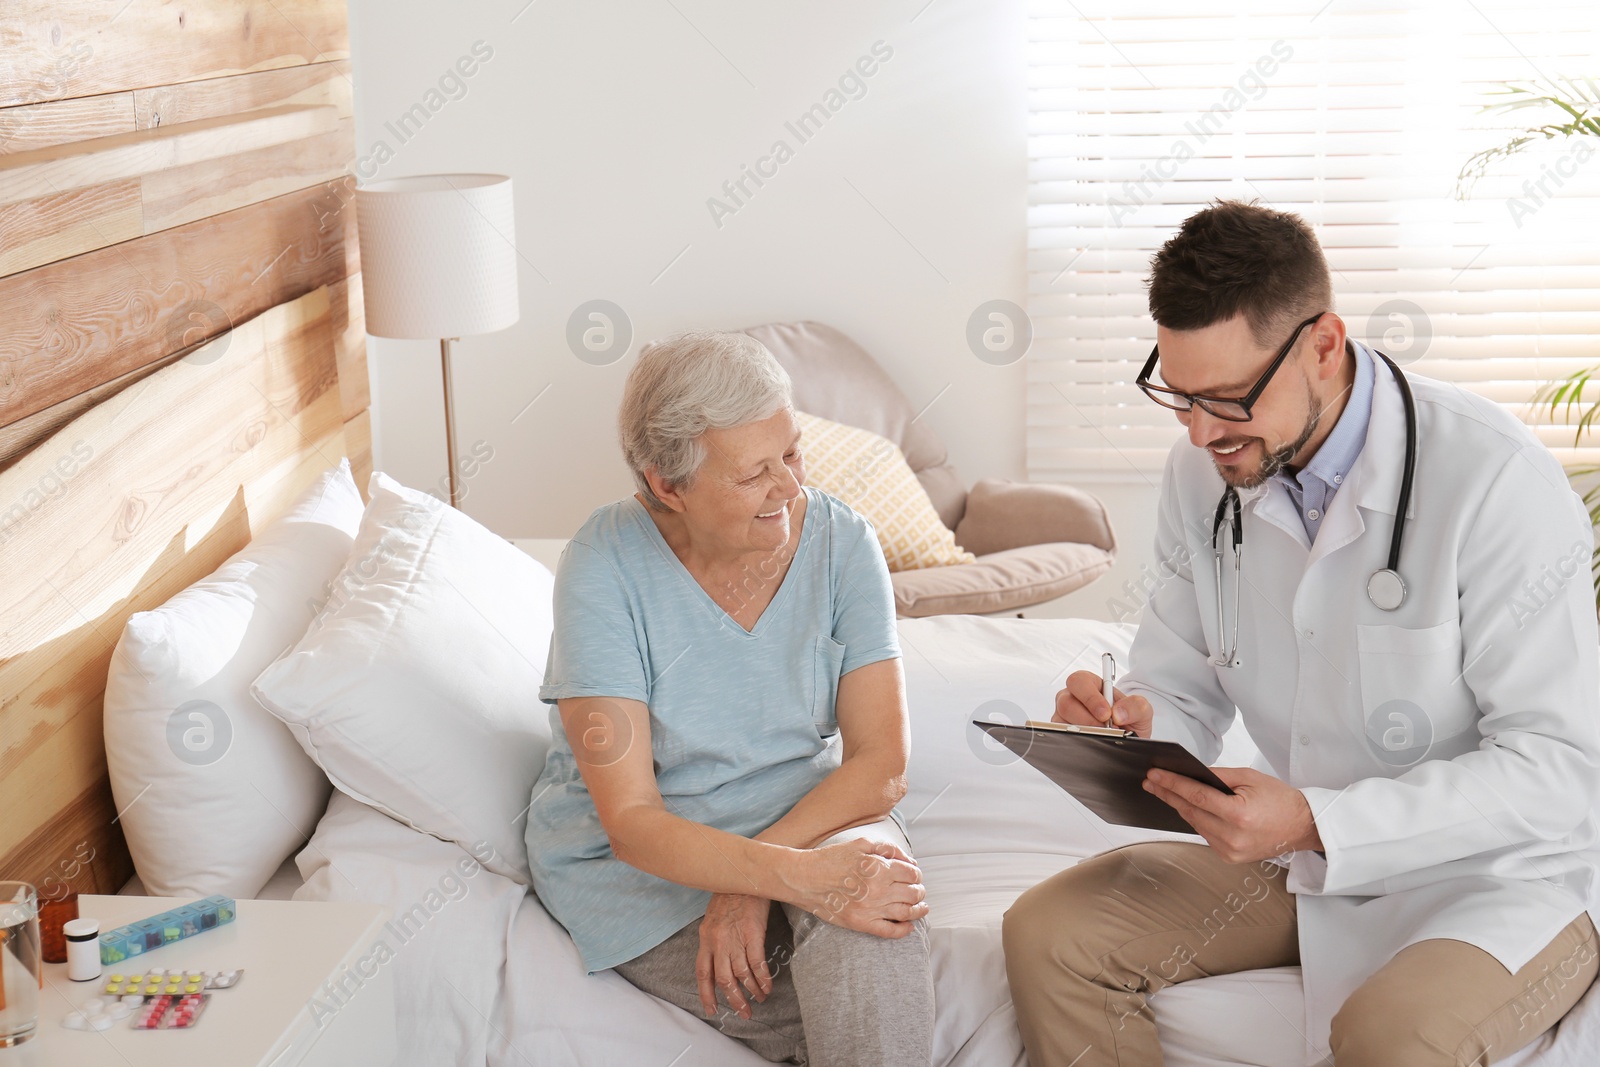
490	978
447	940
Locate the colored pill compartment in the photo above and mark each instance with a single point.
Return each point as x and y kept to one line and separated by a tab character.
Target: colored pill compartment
176	924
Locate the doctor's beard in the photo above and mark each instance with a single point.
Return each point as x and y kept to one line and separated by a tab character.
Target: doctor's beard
1276	459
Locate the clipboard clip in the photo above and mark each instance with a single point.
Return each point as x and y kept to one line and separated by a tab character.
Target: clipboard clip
1071	728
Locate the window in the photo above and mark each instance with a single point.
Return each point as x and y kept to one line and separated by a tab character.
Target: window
1356	115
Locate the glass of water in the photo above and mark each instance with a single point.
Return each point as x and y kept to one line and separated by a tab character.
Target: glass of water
19	962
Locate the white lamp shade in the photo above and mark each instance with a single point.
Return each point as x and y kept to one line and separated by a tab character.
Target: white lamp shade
437	255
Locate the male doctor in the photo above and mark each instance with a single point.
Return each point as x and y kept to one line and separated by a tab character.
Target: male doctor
1421	834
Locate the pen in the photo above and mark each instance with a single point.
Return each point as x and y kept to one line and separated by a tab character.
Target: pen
1108	674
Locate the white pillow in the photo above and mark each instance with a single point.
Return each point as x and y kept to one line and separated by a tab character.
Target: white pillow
214	792
417	688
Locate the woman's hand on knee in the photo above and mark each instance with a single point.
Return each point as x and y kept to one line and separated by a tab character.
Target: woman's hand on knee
733	953
871	886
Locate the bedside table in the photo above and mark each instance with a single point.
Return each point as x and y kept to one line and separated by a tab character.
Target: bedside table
312	993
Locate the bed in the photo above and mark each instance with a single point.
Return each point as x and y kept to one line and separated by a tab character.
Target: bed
985	827
492	979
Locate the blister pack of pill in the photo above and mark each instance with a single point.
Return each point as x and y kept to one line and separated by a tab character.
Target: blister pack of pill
173	982
156	999
171	1013
101	1013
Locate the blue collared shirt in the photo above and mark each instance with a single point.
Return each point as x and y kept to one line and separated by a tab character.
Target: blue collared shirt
1313	486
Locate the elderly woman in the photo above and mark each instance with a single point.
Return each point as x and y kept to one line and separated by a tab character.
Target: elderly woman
717	812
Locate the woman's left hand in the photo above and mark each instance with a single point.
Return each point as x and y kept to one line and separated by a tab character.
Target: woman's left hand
733	952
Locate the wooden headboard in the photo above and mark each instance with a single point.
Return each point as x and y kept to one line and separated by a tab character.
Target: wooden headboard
182	350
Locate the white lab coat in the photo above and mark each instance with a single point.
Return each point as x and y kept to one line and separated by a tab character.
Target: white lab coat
1450	750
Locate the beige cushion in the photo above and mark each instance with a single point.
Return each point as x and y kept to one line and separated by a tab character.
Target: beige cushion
1003	514
870	474
835	378
1000	581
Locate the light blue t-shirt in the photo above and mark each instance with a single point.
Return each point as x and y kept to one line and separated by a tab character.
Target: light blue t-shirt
741	722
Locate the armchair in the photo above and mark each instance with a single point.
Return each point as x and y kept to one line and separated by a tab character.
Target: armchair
1034	541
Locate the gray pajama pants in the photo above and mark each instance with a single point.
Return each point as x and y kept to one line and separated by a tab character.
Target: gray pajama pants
840	998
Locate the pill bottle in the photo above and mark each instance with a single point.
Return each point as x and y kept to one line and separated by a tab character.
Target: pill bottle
54	913
83	949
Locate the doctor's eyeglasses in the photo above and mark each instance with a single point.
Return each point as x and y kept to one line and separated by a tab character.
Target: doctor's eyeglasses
1229	408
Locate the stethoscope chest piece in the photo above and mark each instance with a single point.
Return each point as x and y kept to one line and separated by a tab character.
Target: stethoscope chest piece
1386	589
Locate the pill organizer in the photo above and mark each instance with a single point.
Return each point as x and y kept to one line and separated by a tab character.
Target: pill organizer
157	999
186	920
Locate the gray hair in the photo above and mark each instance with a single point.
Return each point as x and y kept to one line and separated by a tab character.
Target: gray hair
686	385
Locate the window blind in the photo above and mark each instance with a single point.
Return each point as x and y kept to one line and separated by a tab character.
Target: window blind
1358	116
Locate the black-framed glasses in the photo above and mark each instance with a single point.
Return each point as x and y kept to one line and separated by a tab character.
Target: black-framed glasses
1229	408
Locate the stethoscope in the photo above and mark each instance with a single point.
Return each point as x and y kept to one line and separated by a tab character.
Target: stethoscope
1386	589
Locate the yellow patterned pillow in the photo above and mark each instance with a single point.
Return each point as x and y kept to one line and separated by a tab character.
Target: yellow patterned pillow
870	474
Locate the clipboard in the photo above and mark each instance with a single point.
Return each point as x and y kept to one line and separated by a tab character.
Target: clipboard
1103	767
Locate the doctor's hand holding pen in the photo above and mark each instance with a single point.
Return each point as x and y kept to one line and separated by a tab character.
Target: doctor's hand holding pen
1090	700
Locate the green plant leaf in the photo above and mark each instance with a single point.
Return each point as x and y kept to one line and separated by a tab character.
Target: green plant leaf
1578	97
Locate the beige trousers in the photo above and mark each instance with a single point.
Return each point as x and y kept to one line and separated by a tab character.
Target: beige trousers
1086	947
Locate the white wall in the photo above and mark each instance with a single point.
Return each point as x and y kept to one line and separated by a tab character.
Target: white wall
618	120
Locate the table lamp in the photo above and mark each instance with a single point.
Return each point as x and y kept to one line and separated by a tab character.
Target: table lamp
438	259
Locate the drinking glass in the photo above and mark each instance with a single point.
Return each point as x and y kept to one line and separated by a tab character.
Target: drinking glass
20	970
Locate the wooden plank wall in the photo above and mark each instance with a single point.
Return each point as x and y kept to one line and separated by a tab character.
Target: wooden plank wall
168	172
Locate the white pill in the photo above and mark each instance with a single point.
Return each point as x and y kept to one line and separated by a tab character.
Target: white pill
120	1011
157	971
75	1020
92	1005
133	998
101	1022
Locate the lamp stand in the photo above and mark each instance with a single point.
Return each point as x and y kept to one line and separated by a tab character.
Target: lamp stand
449	416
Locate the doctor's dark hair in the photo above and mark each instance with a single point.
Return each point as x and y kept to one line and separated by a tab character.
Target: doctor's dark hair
1232	258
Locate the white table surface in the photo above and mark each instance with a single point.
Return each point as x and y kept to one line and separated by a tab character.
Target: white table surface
288	949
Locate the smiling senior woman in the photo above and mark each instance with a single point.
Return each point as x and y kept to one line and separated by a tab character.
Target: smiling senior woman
730	736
